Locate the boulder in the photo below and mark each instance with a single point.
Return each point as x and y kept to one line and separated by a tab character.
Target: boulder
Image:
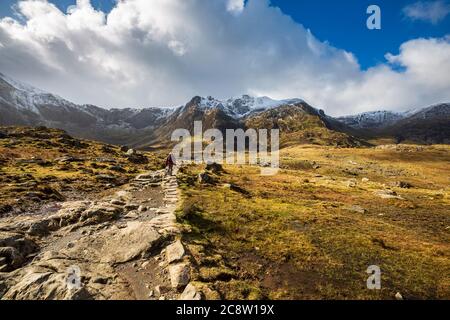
402	184
214	167
190	293
206	178
175	252
179	275
388	194
137	158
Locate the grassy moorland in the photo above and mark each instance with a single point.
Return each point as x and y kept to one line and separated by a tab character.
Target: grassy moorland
311	231
41	165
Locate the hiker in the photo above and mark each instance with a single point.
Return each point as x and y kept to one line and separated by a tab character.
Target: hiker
169	164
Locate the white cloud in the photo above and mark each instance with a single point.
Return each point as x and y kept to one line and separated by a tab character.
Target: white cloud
428	11
163	52
235	5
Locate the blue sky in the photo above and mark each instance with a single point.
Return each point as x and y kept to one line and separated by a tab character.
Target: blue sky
164	52
341	23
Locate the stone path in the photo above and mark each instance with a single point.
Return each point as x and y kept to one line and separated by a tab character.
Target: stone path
123	246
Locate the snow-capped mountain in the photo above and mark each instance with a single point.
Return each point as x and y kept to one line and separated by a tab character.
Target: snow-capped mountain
22	104
382	119
371	120
429	125
245	105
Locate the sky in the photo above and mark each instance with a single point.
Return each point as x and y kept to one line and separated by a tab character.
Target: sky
140	53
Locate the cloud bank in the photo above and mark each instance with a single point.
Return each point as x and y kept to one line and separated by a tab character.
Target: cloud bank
431	11
163	52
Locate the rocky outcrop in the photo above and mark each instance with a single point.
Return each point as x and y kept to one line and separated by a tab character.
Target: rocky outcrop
83	251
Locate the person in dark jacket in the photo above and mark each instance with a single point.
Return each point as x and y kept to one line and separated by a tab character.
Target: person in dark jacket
169	164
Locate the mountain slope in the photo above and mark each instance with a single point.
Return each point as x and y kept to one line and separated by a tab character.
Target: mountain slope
302	124
371	120
21	104
427	125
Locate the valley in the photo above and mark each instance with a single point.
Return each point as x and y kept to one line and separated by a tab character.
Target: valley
84	197
309	232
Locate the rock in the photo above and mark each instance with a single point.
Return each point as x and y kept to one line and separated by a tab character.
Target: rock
123	195
105	177
355	208
137	158
206	178
190	293
161	289
150	294
152	177
164	220
117	169
13	258
124	148
179	275
239	189
99	213
365	180
126	244
398	296
402	184
132	214
105	160
117	202
46	279
145	264
5	208
175	252
214	167
142	208
388	194
14	248
68	159
3	135
316	166
131	206
130	152
351	183
107	148
100	280
158	290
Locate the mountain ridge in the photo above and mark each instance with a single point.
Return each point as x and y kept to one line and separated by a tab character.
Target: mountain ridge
22	104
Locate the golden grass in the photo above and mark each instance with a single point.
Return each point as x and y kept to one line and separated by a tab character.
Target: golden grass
295	238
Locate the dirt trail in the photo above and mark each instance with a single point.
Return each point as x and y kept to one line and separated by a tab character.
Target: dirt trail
121	246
